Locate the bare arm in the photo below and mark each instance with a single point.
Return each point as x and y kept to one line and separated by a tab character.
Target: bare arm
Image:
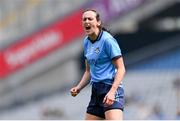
83	82
86	76
119	64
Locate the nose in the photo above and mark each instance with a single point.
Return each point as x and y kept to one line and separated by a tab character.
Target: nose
86	21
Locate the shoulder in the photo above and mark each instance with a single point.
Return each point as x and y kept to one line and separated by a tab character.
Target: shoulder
85	40
107	35
108	38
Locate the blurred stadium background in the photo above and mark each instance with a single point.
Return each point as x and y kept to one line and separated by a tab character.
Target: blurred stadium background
41	57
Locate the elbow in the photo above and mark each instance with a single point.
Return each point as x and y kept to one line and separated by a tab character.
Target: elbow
87	71
124	71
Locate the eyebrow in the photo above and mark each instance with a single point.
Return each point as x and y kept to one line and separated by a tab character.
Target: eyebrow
87	18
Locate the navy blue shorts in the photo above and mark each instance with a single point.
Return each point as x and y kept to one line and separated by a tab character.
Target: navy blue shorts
96	106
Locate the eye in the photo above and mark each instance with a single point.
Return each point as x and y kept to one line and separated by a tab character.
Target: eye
84	19
90	19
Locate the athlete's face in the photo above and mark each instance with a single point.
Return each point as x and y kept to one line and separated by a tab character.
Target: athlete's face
90	23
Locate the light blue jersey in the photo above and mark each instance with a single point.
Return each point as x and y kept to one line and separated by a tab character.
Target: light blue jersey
99	55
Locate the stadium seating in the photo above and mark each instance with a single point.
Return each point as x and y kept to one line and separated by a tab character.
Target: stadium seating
38	91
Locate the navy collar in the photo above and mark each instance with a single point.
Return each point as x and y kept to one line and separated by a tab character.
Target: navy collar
98	37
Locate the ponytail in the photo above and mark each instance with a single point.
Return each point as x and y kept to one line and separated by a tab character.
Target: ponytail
105	29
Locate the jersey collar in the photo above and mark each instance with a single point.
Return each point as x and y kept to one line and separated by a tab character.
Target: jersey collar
98	38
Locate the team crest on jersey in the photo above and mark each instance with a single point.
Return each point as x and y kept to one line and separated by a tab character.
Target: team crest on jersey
97	50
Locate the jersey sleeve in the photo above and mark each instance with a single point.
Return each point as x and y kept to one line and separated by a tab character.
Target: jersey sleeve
112	48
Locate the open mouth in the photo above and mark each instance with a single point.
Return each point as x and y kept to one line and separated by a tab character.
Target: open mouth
88	28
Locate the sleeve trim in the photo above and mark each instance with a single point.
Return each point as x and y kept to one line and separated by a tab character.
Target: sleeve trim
116	57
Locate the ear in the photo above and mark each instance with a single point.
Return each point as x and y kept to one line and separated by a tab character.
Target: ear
99	23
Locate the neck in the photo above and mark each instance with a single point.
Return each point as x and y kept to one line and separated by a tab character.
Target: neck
94	35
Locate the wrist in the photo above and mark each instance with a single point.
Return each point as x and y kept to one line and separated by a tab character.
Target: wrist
113	89
79	87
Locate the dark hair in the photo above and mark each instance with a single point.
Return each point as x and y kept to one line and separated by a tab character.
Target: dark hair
101	27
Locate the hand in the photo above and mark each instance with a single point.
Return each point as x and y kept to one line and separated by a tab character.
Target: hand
74	91
109	99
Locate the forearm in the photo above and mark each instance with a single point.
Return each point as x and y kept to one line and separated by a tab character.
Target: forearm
85	80
118	79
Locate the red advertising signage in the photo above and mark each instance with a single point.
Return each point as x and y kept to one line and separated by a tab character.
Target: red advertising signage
39	44
58	34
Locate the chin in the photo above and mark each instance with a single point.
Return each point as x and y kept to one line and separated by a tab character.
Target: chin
88	33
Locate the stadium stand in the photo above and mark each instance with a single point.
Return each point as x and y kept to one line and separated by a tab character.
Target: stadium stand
19	17
38	91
